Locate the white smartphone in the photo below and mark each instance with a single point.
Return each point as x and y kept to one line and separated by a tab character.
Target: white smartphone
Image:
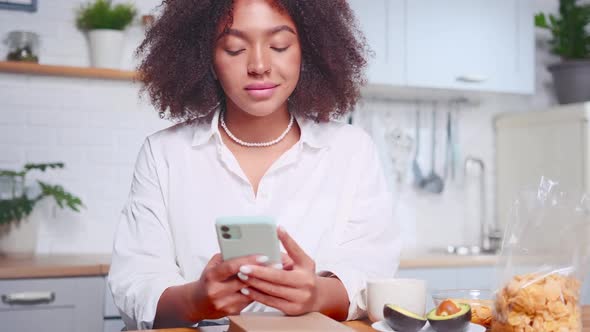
248	235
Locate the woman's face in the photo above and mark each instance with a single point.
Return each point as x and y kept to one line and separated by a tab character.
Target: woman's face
257	62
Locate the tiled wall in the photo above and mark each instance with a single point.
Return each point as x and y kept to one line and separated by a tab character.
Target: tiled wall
96	128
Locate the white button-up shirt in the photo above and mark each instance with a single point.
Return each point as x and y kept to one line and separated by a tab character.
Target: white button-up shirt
328	191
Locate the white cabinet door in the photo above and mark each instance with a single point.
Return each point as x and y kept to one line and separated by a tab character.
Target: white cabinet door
60	304
470	45
42	319
382	22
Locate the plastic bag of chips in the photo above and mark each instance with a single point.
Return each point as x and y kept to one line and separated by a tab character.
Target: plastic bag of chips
544	258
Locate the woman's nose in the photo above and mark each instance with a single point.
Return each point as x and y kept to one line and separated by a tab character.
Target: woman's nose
259	62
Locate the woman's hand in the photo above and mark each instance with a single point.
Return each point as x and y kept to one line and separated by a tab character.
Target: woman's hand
215	295
293	291
217	292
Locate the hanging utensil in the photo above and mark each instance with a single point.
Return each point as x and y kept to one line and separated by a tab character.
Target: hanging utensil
433	182
456	164
416	170
448	171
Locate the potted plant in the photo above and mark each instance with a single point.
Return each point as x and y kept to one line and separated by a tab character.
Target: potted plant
571	41
17	235
104	23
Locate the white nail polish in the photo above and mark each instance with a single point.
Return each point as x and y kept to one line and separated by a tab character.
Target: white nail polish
242	276
262	259
278	266
245	291
245	269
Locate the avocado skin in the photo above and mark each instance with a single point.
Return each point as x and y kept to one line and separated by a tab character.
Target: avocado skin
400	322
455	324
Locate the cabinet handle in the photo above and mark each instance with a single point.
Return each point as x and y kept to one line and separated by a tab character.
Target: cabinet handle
471	79
28	298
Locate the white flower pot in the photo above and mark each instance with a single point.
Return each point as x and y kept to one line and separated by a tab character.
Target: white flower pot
106	47
19	237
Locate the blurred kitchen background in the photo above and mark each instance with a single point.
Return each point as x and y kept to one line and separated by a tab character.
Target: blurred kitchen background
461	62
96	126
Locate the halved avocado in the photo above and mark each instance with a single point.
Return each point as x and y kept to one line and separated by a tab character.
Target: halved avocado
457	322
401	319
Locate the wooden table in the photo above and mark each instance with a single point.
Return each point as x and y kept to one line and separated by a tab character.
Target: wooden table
364	326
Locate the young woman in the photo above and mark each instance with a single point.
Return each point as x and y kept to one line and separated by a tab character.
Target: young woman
255	86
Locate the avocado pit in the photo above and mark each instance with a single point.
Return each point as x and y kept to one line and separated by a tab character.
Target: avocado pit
450	316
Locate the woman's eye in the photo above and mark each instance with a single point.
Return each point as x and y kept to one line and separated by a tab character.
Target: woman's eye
280	49
234	53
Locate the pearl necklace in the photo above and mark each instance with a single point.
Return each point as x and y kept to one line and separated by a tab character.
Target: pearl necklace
256	144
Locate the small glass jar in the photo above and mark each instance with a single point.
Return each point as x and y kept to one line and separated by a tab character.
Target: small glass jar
22	46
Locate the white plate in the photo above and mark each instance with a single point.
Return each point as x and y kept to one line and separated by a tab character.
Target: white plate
383	327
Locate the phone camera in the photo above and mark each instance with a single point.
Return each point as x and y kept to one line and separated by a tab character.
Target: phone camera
226	236
224	229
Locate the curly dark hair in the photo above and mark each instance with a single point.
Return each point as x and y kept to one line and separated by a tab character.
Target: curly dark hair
178	53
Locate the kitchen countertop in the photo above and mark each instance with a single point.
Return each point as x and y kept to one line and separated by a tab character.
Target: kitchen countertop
423	259
54	266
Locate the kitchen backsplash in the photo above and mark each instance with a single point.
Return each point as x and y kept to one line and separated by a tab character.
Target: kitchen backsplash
96	127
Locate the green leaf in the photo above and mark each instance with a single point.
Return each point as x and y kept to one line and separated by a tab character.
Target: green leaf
44	166
61	196
541	21
15	209
11	173
554	20
18	208
569	29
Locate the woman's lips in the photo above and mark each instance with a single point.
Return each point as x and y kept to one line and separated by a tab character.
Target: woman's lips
261	91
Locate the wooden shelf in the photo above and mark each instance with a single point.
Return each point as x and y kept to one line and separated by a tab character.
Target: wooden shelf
66	71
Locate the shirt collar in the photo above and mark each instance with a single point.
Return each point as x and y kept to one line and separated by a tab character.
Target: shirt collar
311	132
203	132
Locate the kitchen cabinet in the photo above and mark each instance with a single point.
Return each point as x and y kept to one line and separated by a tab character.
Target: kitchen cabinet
460	45
382	22
60	304
470	44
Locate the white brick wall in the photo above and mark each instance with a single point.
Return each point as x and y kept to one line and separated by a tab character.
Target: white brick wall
97	126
